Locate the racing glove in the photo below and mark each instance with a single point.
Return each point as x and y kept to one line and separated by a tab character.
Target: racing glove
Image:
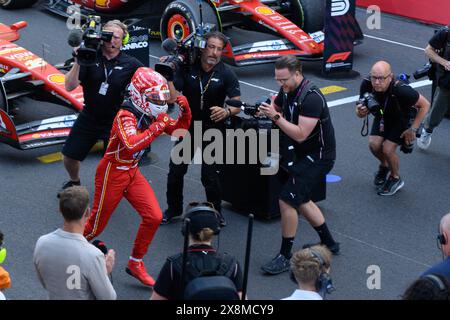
184	121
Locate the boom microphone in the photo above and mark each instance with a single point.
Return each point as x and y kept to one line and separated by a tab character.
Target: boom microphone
100	245
169	45
75	37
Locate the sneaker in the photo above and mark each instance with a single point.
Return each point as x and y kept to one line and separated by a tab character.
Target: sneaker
380	176
169	217
277	265
335	248
68	184
222	221
425	139
137	269
391	186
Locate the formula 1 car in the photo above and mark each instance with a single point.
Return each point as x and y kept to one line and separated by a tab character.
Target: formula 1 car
279	27
25	77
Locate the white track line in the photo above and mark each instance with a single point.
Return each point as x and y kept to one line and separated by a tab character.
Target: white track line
394	42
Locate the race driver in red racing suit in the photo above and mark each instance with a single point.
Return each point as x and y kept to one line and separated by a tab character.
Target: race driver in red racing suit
140	120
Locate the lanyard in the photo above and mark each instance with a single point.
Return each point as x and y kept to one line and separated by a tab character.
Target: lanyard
202	91
291	106
107	74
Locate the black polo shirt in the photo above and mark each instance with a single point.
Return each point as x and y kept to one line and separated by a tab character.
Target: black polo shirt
120	70
219	83
441	41
321	142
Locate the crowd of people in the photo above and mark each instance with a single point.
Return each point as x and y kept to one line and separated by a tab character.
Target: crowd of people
126	105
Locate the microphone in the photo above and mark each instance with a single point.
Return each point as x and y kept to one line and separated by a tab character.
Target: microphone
100	245
169	45
75	37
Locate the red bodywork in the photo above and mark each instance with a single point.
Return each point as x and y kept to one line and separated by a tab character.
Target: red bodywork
19	63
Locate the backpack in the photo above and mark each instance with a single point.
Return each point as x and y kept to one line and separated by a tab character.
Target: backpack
207	277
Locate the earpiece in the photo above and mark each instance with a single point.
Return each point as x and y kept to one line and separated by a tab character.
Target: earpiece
441	239
202	215
126	38
2	254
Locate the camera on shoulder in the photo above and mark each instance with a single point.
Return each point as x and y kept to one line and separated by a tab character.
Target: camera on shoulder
370	102
183	52
89	39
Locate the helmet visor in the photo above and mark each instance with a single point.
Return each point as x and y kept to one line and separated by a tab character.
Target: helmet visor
158	94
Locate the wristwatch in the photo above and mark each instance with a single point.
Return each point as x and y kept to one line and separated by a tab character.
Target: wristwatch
276	117
414	129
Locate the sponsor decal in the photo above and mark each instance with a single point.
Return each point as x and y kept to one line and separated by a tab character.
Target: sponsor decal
264	10
102	3
339	56
318	36
48	134
339	7
135	45
4	68
35	63
10	50
56	78
21	56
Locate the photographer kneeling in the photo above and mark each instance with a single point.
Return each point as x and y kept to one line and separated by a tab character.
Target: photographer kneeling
392	103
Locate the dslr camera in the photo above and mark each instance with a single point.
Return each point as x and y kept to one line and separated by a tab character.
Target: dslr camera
369	101
92	39
183	52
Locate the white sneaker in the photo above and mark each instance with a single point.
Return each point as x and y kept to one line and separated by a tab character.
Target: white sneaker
425	139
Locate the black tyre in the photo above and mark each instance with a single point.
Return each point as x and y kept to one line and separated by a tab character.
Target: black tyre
180	18
309	14
16	4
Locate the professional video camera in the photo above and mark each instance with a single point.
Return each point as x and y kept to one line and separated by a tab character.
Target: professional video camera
255	122
184	52
89	39
426	70
368	100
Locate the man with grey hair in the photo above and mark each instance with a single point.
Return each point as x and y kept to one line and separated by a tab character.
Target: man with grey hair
67	265
443	243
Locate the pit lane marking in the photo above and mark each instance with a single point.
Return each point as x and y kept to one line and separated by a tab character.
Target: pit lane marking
57	156
394	42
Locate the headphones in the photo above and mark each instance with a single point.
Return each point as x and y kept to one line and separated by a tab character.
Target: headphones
437	282
126	38
441	239
323	284
201	215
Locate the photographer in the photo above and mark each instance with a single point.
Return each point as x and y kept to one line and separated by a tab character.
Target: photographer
308	153
103	85
437	51
206	84
392	103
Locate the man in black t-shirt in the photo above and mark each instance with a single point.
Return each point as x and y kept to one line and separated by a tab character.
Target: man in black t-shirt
392	123
104	84
307	155
438	51
205	84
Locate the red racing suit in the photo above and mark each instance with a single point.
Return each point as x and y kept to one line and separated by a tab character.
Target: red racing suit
118	175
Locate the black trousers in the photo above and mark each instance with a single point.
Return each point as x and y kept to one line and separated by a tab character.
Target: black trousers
209	177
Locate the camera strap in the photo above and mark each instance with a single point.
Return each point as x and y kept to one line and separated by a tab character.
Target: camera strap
203	90
295	101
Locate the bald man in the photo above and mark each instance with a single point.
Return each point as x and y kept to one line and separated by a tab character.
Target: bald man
392	122
443	267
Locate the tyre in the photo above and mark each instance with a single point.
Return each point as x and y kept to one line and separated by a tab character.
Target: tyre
180	18
309	14
16	4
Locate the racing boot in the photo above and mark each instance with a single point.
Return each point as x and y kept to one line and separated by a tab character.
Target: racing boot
137	270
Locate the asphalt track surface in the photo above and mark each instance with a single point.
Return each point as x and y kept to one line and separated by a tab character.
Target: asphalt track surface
397	233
